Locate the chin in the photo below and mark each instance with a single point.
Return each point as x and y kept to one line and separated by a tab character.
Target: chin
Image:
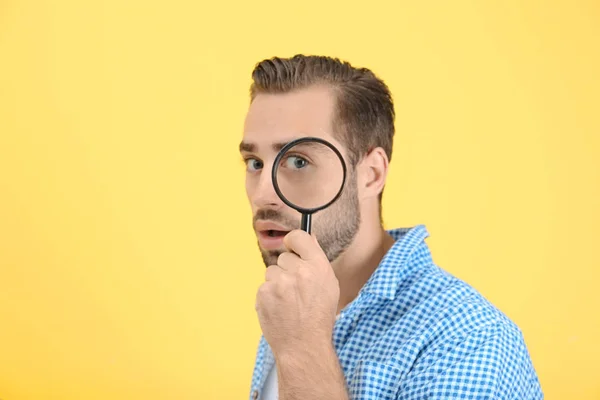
270	257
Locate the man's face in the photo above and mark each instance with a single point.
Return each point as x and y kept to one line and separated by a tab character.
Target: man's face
272	121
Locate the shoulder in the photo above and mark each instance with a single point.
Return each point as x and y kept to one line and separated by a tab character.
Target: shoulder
460	344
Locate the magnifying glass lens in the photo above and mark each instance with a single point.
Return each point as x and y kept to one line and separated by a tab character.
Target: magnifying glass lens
310	175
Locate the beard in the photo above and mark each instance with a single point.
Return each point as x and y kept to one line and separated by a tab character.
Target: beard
334	227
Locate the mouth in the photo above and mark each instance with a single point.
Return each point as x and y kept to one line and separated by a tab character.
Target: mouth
271	239
272	233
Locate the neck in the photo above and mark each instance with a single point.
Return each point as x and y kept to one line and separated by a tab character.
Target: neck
356	265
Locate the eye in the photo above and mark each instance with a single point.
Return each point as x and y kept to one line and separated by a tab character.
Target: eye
252	164
296	162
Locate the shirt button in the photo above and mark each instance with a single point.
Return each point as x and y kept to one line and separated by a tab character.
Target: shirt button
255	395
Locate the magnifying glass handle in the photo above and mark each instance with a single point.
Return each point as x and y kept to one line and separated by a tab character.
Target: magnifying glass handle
306	223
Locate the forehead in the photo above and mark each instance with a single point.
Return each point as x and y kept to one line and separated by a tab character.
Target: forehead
275	119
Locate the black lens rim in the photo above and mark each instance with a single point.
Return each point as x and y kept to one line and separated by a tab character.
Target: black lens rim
282	153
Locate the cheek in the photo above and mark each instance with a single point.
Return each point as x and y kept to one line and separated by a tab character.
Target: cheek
249	188
325	219
251	184
346	205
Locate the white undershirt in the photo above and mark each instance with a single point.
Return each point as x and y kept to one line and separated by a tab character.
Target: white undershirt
271	389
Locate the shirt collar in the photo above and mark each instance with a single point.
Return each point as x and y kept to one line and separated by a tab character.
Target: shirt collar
395	266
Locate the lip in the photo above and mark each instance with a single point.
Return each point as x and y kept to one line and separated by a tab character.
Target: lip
268	242
269	226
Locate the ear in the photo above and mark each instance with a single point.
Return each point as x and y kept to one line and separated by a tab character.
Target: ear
373	172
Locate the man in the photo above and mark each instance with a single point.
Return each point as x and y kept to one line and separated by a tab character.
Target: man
353	311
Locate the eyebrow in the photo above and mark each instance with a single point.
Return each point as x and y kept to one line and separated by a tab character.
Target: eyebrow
251	147
247	147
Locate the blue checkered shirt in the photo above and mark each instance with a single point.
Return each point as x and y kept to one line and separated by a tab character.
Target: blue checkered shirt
416	332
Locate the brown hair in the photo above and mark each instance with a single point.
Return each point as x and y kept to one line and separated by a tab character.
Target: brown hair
364	116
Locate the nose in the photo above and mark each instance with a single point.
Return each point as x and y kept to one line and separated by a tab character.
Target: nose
264	192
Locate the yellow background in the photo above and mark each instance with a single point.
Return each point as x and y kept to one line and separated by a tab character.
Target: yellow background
128	267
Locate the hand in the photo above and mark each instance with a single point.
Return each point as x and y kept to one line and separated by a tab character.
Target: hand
298	301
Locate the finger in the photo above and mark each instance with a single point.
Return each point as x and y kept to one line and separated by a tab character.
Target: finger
304	245
289	262
262	295
272	272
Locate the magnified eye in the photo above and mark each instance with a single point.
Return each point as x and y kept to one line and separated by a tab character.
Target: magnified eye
296	162
252	164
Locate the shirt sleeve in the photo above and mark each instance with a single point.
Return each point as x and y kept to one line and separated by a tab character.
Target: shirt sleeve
488	364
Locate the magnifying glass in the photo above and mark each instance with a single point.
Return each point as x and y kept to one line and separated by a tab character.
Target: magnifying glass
309	175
